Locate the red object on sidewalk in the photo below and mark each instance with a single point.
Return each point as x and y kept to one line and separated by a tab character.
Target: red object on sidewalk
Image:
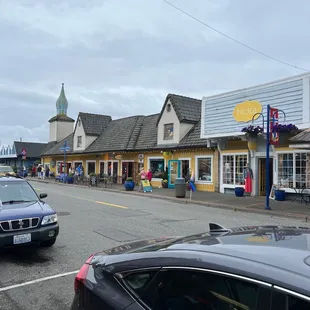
248	184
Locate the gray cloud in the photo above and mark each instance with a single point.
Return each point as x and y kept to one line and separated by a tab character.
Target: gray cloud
122	58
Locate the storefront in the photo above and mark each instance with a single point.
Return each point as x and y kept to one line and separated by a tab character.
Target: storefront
236	122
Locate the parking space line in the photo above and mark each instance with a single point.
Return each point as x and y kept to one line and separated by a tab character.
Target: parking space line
7	288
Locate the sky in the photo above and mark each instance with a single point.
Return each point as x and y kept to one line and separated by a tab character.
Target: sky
122	58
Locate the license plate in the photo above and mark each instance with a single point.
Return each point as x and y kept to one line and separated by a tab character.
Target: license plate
19	239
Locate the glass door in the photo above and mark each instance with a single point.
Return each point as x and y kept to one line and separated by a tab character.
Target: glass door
174	172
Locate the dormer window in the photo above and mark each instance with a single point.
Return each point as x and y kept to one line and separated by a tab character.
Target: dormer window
79	122
168	107
168	131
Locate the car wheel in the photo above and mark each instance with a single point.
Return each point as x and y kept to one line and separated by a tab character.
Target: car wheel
48	243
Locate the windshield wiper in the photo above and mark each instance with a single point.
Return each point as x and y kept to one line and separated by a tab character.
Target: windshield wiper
16	201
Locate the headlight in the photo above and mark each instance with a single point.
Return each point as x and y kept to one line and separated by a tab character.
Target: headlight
49	219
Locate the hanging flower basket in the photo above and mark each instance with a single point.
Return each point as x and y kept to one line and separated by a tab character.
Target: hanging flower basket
251	133
286	131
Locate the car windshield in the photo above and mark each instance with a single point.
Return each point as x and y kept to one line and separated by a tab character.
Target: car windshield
16	192
6	169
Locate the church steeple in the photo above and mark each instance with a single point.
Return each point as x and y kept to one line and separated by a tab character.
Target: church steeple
62	102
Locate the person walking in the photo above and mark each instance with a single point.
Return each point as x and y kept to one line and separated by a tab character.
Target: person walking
142	177
149	176
39	171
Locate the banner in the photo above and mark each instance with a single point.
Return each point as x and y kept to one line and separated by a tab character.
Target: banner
274	120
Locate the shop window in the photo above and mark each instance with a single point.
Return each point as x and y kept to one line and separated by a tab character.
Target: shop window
204	169
294	169
233	167
76	164
91	167
168	131
102	167
157	165
79	141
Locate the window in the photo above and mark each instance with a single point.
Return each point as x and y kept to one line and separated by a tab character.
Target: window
168	131
168	107
91	167
102	166
284	301
79	122
10	191
204	169
157	165
182	289
79	141
233	167
294	169
76	164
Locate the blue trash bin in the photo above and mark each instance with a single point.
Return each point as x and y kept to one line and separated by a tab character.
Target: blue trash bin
279	195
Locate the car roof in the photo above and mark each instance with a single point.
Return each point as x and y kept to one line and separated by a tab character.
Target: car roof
269	253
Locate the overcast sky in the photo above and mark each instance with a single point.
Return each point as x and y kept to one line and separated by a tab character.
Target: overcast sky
122	57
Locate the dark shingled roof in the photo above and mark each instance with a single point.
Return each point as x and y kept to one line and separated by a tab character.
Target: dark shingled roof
62	118
94	124
303	136
192	138
54	150
188	110
48	146
147	138
117	136
33	149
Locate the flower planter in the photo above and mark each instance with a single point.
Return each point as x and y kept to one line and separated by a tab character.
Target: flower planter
279	195
239	191
164	184
252	141
129	185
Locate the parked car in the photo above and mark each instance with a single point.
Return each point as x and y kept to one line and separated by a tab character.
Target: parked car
255	268
24	217
4	170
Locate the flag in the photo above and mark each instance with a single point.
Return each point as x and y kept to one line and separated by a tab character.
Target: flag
192	186
274	121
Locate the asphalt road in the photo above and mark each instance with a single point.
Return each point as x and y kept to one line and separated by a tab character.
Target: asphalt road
93	220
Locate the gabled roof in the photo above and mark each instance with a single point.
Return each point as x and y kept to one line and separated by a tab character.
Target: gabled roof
192	138
33	149
147	138
303	136
54	150
62	118
117	136
94	124
188	110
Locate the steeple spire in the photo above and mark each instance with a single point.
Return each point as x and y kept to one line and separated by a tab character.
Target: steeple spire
62	102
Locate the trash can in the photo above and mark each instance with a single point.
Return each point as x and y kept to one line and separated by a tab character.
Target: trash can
180	188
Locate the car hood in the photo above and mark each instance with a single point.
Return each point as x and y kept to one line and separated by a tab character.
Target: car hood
22	210
290	237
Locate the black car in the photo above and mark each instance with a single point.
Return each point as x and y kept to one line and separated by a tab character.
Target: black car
25	219
255	268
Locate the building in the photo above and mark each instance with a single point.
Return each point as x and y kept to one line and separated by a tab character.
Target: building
224	116
12	155
119	148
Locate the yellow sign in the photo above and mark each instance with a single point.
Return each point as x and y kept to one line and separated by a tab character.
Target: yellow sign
244	111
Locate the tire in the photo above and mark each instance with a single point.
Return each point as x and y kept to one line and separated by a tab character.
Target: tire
48	243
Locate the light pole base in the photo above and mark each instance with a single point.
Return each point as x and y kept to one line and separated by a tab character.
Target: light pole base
267	208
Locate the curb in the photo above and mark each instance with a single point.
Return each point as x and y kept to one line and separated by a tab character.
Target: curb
191	202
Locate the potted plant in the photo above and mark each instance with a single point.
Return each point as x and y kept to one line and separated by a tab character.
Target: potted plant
93	179
239	190
70	178
164	183
251	133
129	184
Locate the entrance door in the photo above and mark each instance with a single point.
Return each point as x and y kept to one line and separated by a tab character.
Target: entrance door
262	176
185	169
174	172
127	170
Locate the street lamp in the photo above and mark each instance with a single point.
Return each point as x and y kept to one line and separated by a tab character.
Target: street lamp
65	148
267	207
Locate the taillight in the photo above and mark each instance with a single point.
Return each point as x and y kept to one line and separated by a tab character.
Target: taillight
82	275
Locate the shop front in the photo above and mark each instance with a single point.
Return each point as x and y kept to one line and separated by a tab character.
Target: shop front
237	123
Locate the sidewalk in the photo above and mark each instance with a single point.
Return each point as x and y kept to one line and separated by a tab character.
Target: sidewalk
217	200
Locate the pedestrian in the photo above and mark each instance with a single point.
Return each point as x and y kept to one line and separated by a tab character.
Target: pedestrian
34	171
142	177
39	171
149	176
43	172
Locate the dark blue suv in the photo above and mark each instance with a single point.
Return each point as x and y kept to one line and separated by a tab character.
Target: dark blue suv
24	218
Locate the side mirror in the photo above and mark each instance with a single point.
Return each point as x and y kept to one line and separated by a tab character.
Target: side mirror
43	195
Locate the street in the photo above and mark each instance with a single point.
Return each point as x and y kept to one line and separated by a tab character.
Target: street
92	220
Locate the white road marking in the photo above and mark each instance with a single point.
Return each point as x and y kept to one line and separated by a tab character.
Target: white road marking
7	288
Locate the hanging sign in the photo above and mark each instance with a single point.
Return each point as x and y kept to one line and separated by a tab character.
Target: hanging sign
245	111
274	120
23	154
